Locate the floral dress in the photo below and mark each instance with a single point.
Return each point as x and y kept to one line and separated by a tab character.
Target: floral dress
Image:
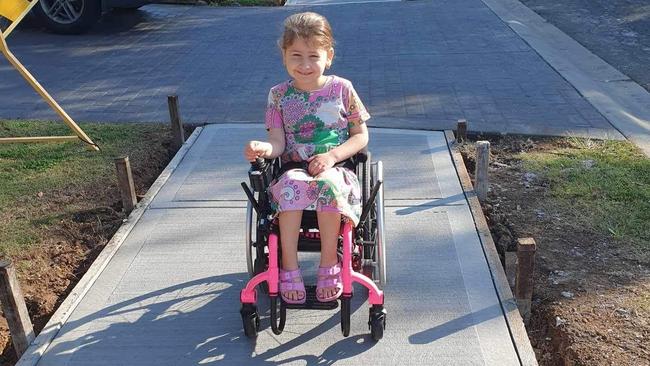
314	123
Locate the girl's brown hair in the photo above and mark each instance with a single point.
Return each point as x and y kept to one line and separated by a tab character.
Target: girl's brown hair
311	27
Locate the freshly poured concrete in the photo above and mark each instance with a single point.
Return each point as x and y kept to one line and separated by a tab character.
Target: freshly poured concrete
170	295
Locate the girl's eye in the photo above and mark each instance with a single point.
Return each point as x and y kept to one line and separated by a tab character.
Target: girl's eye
314	57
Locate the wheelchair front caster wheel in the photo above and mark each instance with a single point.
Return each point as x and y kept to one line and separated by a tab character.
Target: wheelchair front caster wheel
345	315
278	320
377	322
250	319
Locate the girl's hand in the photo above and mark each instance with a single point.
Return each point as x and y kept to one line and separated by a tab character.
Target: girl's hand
256	149
320	163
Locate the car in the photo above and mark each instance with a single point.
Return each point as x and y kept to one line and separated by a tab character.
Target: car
77	16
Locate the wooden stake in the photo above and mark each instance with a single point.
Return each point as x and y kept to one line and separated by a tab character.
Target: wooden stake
176	123
481	171
461	131
526	248
511	267
125	181
14	308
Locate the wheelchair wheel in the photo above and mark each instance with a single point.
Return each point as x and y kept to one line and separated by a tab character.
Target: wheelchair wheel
365	176
256	259
250	319
380	237
277	325
345	315
248	239
377	322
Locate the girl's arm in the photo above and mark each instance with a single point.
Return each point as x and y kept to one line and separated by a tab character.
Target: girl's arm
357	141
269	150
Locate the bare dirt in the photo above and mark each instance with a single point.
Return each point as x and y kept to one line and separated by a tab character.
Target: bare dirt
48	271
591	302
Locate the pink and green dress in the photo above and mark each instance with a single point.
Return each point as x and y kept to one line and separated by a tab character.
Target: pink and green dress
314	123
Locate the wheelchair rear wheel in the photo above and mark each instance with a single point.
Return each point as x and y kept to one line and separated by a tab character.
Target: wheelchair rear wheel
379	256
248	239
256	257
376	252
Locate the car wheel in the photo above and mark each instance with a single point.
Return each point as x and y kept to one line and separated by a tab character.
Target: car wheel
68	16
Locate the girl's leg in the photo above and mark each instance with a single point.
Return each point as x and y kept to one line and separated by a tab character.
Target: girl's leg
289	232
329	224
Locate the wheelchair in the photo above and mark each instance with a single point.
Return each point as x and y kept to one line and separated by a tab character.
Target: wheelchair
362	248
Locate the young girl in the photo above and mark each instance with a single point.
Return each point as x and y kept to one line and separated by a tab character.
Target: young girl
318	120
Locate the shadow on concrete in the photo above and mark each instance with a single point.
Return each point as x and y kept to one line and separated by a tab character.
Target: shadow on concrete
169	327
456	325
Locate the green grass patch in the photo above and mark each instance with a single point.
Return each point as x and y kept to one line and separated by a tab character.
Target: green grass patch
59	169
605	183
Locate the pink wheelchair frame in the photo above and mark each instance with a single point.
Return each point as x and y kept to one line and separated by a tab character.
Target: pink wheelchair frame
248	296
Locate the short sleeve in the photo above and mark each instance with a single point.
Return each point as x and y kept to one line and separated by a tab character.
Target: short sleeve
355	110
273	117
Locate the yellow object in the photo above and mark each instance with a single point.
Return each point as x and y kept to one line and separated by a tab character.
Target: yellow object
15	10
11	9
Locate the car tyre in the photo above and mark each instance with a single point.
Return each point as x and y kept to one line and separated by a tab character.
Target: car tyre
81	15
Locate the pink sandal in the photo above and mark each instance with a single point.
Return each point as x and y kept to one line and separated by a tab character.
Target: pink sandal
329	277
288	283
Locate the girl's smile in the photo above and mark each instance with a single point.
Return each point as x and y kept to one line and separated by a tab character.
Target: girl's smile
306	64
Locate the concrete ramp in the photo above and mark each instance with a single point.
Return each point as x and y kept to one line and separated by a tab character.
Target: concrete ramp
170	294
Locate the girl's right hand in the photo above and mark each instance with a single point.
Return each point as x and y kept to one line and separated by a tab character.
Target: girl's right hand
256	149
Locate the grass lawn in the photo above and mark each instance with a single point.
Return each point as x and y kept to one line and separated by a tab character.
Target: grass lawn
39	181
60	205
587	205
606	184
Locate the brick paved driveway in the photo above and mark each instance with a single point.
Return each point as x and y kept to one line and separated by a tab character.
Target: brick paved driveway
416	64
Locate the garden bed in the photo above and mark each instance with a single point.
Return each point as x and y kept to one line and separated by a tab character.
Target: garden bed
60	205
587	205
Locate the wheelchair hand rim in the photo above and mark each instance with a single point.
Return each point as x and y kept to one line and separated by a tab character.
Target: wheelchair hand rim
380	237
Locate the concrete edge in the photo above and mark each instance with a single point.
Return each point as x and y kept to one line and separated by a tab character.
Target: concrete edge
514	322
295	2
624	103
38	347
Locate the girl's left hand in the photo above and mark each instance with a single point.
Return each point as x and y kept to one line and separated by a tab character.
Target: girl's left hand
320	163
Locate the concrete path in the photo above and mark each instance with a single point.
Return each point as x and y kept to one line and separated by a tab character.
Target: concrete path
416	64
170	294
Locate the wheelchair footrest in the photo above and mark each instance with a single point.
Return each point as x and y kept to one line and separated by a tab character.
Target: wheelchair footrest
312	302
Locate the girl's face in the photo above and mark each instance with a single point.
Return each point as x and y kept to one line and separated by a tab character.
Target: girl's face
306	64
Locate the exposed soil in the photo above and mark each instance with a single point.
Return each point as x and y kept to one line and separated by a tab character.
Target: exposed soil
591	302
49	271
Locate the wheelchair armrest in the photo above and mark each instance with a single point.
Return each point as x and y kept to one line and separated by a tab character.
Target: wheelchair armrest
362	155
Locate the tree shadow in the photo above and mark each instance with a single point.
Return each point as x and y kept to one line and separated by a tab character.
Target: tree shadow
196	322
